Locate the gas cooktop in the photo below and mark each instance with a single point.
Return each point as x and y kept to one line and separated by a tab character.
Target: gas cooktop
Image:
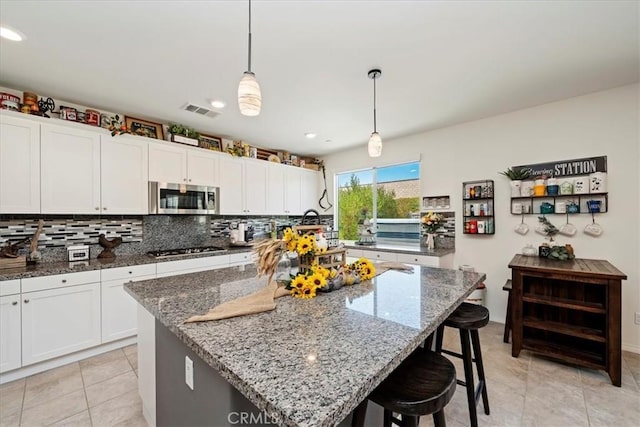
170	253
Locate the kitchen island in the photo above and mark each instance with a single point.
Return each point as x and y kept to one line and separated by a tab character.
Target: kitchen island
307	363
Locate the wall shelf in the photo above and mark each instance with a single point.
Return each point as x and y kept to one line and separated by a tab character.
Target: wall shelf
531	204
478	207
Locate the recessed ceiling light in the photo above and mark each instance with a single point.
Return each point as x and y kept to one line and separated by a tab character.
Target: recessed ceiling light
310	135
11	34
218	104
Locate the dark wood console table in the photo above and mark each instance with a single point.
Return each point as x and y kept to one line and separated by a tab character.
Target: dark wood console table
568	310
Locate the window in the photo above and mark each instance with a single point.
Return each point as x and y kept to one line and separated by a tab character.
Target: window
389	195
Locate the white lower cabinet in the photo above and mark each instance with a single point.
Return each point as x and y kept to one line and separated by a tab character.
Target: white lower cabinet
59	321
445	261
10	351
118	307
173	268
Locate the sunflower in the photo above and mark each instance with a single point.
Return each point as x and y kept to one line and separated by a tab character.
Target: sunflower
307	292
297	293
298	282
318	280
367	270
289	235
318	269
306	244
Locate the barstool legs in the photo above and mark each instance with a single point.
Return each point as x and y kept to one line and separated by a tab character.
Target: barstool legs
477	353
438	419
468	376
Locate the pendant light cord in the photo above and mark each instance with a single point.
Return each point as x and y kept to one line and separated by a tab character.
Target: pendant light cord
374	105
249	36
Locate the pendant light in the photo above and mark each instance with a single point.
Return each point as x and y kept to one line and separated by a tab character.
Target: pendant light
375	142
249	96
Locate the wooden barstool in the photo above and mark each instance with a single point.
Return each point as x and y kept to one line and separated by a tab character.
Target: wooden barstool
422	385
507	320
468	318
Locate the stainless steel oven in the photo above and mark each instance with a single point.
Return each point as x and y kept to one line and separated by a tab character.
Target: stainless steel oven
166	198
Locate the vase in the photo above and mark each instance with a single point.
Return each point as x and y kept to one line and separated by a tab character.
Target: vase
430	243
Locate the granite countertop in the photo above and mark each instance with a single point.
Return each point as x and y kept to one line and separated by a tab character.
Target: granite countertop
309	362
403	248
63	267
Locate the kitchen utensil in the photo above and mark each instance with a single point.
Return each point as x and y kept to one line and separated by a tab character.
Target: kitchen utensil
35	254
594	229
568	229
522	228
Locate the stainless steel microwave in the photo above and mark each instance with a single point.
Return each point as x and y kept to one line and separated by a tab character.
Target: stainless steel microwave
166	198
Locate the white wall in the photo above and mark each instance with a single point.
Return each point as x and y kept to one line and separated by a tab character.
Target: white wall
602	123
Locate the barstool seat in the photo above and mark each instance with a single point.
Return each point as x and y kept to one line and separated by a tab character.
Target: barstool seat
422	385
468	318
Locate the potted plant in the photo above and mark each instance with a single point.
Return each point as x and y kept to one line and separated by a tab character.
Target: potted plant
516	176
183	134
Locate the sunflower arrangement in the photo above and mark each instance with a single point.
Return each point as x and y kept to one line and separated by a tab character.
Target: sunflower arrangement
308	282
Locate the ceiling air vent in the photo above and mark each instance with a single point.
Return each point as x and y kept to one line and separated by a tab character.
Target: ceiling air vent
200	110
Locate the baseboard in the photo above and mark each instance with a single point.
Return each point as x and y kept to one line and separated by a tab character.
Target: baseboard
631	347
64	360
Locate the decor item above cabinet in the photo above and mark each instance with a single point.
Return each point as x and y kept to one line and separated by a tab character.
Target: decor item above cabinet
478	208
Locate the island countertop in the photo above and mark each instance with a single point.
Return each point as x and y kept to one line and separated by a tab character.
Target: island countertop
308	362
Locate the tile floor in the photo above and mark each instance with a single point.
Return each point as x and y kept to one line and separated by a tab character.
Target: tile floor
527	391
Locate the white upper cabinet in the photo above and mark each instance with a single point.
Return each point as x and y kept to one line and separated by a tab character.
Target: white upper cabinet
70	170
275	189
19	165
309	189
167	163
243	186
255	186
290	190
231	183
124	171
202	168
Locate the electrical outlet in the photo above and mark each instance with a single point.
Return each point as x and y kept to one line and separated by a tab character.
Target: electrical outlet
188	372
637	318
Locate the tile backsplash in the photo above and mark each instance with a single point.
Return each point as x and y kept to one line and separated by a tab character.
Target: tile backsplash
140	234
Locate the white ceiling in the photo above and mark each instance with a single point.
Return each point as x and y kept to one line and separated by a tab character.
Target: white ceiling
442	62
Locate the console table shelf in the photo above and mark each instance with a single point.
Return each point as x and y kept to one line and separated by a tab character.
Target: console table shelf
568	310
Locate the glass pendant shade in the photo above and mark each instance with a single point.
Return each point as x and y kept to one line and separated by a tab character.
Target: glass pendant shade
249	96
375	145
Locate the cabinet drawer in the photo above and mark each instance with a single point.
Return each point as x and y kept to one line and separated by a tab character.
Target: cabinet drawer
60	280
241	258
126	272
9	287
192	265
429	261
354	253
380	256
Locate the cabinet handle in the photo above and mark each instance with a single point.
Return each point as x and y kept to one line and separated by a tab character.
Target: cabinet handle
14	303
189	179
105	208
184	179
64	280
131	272
97	208
26	301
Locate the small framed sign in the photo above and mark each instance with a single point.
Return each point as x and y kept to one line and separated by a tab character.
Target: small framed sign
144	128
211	142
